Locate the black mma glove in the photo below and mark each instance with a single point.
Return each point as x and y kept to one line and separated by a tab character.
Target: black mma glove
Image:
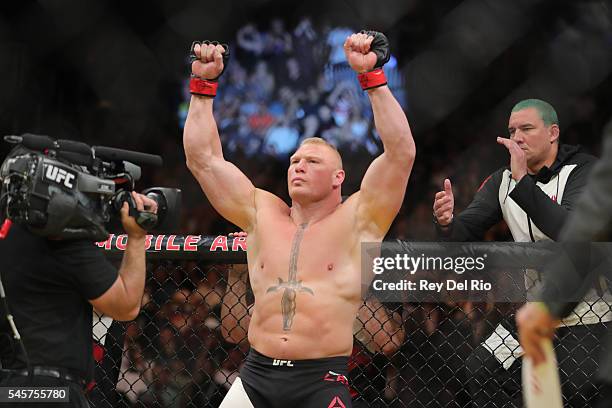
380	47
206	86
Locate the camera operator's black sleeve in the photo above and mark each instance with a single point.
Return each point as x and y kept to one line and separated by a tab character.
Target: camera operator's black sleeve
88	268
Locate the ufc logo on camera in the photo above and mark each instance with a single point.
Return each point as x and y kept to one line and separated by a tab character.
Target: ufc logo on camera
59	175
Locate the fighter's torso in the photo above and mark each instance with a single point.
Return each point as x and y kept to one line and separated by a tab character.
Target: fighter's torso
307	283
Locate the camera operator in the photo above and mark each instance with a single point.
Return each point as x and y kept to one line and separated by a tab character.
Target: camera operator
51	287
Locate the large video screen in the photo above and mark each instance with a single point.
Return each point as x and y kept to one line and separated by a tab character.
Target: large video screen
284	84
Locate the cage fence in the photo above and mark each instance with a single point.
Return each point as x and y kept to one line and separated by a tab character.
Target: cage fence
188	343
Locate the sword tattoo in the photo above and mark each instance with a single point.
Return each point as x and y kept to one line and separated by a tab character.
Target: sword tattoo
292	286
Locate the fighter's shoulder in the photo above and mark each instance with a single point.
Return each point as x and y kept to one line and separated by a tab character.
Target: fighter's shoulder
353	212
351	202
267	201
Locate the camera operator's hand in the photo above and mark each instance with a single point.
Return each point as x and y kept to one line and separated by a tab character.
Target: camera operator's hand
123	299
143	203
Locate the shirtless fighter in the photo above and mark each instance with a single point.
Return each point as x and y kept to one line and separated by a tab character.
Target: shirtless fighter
304	259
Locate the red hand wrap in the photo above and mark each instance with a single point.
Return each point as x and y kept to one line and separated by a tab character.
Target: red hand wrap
372	79
199	86
6	226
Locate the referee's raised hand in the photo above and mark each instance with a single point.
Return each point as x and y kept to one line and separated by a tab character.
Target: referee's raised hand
444	204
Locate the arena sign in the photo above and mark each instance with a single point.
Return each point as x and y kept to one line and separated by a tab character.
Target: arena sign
220	248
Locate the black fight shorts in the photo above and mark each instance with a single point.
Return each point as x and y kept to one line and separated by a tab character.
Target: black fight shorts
273	383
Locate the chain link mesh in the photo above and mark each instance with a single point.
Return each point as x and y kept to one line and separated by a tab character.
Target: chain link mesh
190	340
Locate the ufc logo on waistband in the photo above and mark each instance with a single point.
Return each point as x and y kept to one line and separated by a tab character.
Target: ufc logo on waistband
281	363
59	175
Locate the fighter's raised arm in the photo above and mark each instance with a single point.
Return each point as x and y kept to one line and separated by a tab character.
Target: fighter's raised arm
228	189
384	184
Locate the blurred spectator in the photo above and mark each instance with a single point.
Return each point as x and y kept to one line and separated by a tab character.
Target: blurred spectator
136	373
163	391
261	120
251	40
335	40
281	139
262	81
308	56
277	40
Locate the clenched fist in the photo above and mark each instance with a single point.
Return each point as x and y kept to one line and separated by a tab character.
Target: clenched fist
444	204
366	50
208	59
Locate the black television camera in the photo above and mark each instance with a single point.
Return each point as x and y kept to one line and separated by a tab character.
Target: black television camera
67	189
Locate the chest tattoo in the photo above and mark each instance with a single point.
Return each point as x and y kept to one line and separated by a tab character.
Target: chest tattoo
292	286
